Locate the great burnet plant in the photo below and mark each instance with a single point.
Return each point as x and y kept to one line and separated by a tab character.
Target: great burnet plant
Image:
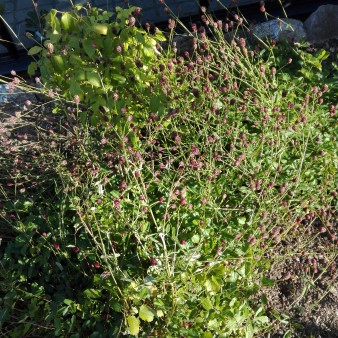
102	61
174	238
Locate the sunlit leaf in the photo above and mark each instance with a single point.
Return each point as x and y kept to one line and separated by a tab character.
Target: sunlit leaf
68	301
213	324
80	75
100	28
93	79
148	51
134	325
34	50
92	293
262	320
160	313
159	36
146	313
67	21
206	304
119	78
195	239
58	62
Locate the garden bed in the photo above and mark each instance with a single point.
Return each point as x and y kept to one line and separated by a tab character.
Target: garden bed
137	225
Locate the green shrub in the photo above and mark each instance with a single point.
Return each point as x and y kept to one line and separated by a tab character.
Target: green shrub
106	65
175	236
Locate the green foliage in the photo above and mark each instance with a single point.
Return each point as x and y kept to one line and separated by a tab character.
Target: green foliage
106	65
175	236
302	63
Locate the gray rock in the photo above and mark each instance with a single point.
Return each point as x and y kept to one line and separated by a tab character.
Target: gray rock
15	97
182	43
322	24
5	95
278	30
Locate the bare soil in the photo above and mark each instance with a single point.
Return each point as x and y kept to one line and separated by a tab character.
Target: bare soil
304	299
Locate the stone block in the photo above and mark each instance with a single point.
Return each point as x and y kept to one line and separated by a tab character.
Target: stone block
278	30
183	43
322	24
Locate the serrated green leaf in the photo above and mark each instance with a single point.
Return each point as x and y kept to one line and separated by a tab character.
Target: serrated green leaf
160	313
92	293
74	43
212	285
107	45
54	38
117	306
148	51
93	79
213	324
144	293
75	88
206	304
322	54
195	239
140	38
151	42
146	313
134	325
119	78
262	320
88	47
160	37
32	68
100	29
68	301
215	283
67	21
58	63
80	75
54	21
135	140
34	50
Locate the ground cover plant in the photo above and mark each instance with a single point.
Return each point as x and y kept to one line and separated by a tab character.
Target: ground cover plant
173	180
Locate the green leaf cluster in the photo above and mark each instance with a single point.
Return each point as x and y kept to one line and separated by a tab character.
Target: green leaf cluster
107	64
